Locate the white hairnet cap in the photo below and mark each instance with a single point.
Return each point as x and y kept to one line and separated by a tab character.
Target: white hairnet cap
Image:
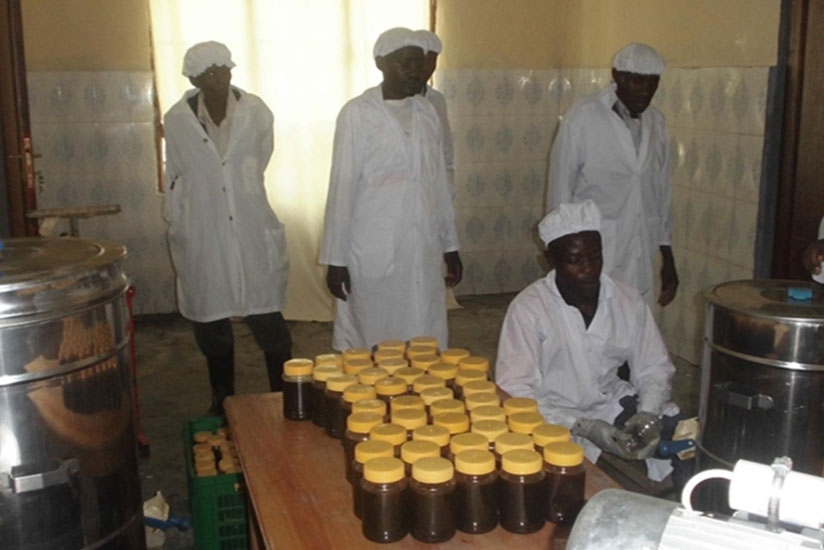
203	55
569	218
395	39
640	59
433	43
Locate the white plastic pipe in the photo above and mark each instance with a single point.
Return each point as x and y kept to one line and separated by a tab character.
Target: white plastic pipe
686	494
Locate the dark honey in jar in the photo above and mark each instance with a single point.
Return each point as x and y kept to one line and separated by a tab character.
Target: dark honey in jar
364	452
335	417
297	389
319	376
566	477
357	431
384	486
523	492
476	492
432	500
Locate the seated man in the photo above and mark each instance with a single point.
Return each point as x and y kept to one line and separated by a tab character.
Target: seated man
565	336
814	255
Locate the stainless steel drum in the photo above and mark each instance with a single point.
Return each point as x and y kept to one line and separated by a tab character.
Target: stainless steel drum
68	459
762	384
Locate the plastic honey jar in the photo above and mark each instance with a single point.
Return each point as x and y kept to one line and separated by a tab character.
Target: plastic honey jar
391	433
423	362
466	375
398	346
297	389
389	388
405	402
425	341
371	375
436	434
490	429
525	422
453	356
566	479
357	431
364	452
473	362
393	364
335	419
356	353
430	395
446	405
426	382
466	442
383	486
384	354
412	451
356	365
523	492
319	376
549	433
432	500
488	412
371	405
417	351
475	400
479	386
455	422
445	371
476	492
511	442
409	419
409	375
520	404
334	359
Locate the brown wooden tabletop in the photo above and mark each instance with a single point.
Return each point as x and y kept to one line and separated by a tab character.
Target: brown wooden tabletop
301	499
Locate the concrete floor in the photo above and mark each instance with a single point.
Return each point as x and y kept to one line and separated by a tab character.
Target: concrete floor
174	387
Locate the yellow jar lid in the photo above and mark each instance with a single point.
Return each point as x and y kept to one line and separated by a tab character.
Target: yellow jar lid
468	442
520	404
475	400
488	412
433	469
207	459
479	386
202	448
522	463
322	372
226	463
525	422
455	422
475	462
362	422
354	366
376	406
428	381
436	434
358	392
512	442
564	453
202	436
340	382
383	470
298	367
412	451
427	341
216	441
423	362
490	429
446	406
392	345
390	386
208	472
417	350
392	433
367	450
356	353
409	374
429	395
453	356
444	370
474	362
393	365
335	359
405	402
372	375
550	433
409	418
235	469
386	354
468	375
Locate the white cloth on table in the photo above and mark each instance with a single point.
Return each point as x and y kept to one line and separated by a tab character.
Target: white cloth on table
594	157
389	220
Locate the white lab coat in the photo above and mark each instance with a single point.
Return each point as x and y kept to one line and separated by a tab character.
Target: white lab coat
227	245
438	101
594	157
389	220
546	352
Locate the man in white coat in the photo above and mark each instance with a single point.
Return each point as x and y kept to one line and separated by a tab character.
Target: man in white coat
227	245
389	225
565	336
613	148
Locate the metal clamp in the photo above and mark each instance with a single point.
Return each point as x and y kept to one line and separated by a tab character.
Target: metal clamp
21	482
781	467
726	393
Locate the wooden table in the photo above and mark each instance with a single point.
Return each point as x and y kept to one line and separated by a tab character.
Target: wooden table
301	499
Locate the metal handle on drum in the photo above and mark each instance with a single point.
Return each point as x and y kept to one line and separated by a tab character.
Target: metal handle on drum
22	482
728	395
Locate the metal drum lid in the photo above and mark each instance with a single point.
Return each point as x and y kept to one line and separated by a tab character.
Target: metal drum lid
770	298
41	276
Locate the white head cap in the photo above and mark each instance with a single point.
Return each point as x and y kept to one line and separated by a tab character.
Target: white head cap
395	39
433	43
203	55
569	218
640	59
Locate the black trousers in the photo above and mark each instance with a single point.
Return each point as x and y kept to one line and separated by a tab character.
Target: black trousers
216	341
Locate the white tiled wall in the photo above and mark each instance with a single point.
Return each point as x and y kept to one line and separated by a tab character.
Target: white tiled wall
95	132
503	124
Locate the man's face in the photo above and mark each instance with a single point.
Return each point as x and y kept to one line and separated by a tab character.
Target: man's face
215	79
635	90
402	72
429	64
577	261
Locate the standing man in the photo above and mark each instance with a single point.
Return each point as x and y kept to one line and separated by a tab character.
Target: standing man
227	245
433	48
389	225
613	148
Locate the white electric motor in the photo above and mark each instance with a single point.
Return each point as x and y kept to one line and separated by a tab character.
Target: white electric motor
777	509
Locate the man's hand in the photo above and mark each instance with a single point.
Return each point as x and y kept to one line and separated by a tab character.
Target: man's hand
454	268
813	256
644	429
669	276
603	434
337	281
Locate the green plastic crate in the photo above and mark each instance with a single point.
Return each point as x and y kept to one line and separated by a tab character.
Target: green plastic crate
219	503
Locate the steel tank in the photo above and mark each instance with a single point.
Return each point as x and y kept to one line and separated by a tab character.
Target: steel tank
68	457
762	379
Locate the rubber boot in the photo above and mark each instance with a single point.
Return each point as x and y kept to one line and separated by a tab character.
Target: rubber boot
222	380
274	368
